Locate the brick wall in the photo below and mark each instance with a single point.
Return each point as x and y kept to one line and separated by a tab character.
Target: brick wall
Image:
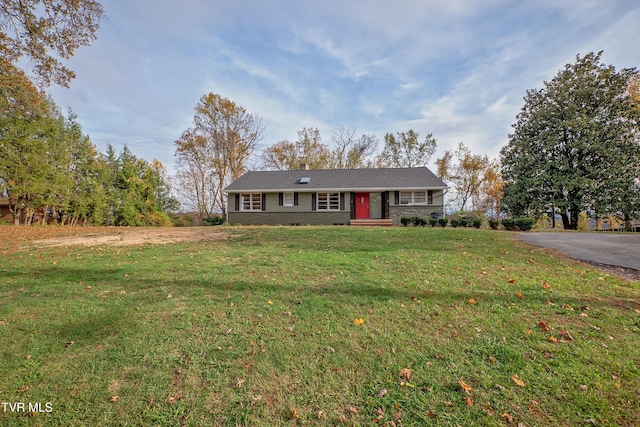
396	212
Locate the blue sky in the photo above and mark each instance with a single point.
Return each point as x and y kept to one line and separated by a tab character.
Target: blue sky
457	68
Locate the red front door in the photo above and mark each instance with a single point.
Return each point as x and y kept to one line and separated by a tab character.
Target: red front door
362	205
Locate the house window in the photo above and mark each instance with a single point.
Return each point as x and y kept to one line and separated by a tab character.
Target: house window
416	197
328	201
287	199
251	202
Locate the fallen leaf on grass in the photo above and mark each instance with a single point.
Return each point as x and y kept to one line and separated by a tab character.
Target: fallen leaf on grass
517	380
353	410
519	295
472	301
69	344
23	389
174	398
553	339
465	387
566	335
405	373
544	326
358	321
512	280
114	398
382	393
545	285
468	401
294	413
508	418
492	359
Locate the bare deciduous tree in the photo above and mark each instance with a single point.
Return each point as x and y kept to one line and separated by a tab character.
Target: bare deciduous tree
351	152
406	151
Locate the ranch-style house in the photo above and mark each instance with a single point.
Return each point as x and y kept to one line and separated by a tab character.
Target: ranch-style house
334	197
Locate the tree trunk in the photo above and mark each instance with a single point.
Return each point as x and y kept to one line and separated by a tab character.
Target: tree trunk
28	216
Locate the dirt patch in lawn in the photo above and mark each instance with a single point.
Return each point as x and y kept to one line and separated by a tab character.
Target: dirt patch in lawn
13	238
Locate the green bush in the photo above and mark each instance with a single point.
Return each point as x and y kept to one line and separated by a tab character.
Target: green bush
419	222
477	222
213	220
494	223
405	220
433	222
525	224
509	224
462	222
443	222
455	222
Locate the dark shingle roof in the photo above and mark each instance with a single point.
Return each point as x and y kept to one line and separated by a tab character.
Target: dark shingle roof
338	179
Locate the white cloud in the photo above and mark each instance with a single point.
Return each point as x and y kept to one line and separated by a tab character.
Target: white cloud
457	69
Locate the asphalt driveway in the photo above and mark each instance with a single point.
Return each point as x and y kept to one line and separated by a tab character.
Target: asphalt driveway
610	249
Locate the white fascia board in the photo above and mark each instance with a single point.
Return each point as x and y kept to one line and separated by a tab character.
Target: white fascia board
332	190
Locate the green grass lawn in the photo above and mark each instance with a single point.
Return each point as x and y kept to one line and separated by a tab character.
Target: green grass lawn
318	326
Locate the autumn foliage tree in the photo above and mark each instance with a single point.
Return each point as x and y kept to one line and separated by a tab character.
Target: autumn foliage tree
46	31
468	173
215	151
307	149
491	191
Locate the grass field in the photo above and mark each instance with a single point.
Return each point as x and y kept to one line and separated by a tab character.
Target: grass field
316	326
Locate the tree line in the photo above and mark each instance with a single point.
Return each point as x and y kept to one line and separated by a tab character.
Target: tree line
50	171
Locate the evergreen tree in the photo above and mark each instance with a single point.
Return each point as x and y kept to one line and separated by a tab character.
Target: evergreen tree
576	140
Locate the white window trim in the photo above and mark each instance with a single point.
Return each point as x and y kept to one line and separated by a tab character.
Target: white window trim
288	199
329	197
412	202
254	204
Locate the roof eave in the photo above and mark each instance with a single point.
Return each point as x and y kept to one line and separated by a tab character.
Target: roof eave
311	190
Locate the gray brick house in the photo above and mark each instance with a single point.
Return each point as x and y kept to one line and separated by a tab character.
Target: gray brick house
334	197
